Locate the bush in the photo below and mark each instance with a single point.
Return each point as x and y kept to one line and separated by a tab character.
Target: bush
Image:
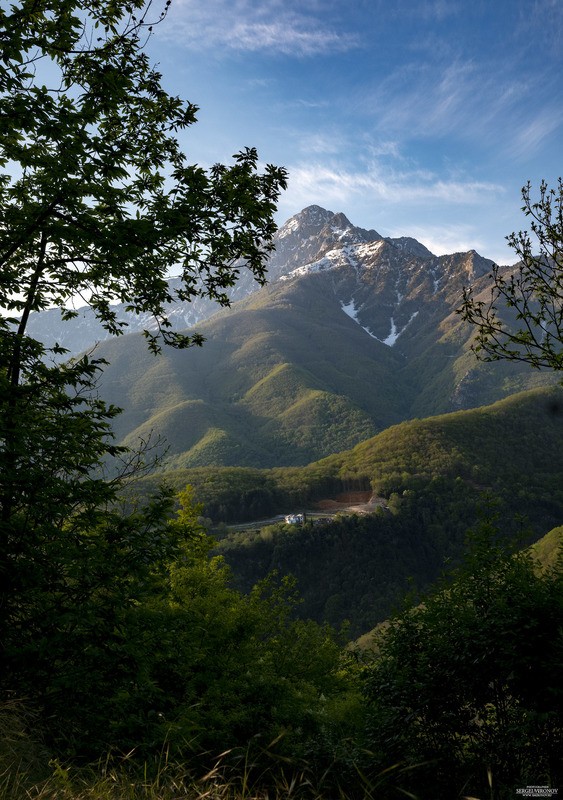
467	685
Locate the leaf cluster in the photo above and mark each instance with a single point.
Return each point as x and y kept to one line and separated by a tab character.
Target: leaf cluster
522	319
97	198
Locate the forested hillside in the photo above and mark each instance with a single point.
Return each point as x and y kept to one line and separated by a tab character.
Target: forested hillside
434	477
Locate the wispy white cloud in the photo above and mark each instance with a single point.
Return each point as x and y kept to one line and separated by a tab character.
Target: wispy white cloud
321	144
530	135
545	19
253	26
259	83
446	238
330	184
299	102
384	148
467	100
432	10
436	10
431	99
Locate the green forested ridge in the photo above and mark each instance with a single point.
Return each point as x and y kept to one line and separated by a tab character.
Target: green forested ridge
493	447
547	550
434	475
505	448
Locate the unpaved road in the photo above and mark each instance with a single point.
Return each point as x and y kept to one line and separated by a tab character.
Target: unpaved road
345	503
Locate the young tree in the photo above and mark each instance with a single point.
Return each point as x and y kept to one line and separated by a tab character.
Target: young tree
523	318
520	725
97	200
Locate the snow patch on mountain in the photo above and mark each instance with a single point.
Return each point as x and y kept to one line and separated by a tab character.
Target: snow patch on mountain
351	310
290	226
331	260
325	263
348	254
369	249
394	335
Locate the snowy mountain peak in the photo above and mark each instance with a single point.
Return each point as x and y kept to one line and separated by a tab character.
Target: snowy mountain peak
388	279
312	218
316	213
317	221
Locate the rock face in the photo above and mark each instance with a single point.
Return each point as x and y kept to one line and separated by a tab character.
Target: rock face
353	333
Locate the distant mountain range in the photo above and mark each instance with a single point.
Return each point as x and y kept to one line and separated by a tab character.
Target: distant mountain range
354	332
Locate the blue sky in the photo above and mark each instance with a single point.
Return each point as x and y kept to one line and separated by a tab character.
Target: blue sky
413	117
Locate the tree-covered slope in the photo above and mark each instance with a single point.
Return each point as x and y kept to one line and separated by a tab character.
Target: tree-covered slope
307	367
549	549
435	476
274	383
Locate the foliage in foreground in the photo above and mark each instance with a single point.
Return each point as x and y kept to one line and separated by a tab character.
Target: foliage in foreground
467	685
461	696
97	202
167	655
521	319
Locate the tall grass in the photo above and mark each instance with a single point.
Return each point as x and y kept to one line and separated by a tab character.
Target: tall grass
27	772
23	760
124	781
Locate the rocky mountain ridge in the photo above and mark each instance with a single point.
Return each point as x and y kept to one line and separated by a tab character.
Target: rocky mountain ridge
355	332
311	241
